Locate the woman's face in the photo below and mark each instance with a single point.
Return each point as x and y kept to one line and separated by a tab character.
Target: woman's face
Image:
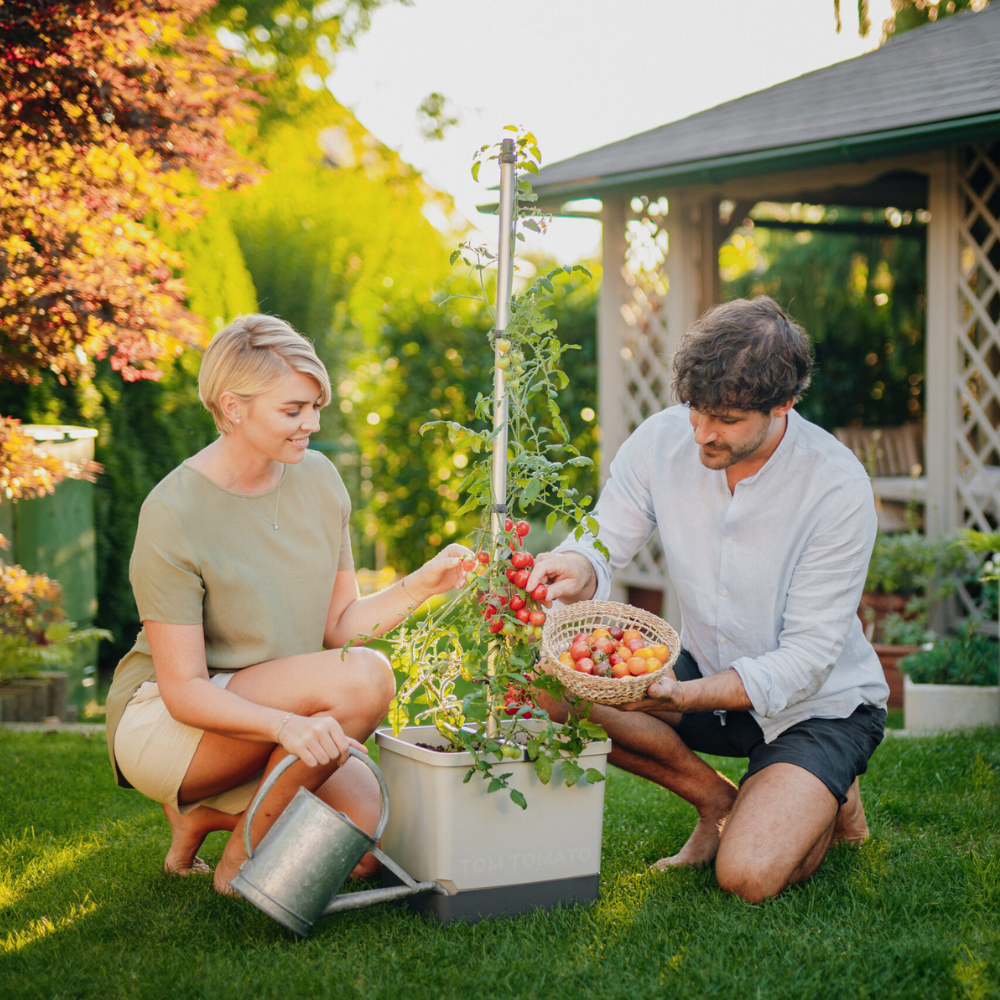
277	423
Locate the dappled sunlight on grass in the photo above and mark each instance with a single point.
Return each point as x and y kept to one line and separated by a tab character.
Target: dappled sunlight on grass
45	926
27	861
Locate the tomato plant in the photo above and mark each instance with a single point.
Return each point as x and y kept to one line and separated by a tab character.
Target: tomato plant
464	658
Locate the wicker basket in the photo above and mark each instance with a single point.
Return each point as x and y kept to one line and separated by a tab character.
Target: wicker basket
564	623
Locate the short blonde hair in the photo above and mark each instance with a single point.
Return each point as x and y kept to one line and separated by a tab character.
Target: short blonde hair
252	355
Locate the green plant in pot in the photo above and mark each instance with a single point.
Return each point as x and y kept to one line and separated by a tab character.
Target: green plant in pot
35	637
469	664
907	575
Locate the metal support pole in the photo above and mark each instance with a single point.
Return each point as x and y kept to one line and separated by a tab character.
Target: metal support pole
505	280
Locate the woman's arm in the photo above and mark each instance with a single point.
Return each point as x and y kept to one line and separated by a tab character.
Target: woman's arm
182	676
351	615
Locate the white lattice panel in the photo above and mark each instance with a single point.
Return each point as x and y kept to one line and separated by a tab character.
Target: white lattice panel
644	347
978	438
977	441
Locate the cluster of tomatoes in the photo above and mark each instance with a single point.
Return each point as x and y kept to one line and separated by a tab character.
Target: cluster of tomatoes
515	698
516	611
614	652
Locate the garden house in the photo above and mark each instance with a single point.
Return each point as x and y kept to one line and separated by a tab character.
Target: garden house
910	131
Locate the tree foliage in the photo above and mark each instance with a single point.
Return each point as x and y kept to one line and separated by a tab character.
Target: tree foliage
908	14
862	300
109	114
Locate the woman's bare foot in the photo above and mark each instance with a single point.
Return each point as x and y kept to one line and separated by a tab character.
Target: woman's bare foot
187	831
220	880
852	826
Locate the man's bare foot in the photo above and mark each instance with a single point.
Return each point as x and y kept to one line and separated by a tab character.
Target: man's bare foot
702	846
852	826
187	831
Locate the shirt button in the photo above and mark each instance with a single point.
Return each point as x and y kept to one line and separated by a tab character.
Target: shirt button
723	640
729	541
725	593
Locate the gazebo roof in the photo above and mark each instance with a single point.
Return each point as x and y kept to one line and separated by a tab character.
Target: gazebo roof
934	87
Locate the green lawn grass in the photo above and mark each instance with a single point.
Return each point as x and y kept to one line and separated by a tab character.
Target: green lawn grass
85	910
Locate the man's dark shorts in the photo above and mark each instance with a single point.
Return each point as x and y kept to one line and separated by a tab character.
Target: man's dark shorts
835	750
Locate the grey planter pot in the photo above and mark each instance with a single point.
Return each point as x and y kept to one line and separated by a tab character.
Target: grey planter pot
493	857
933	707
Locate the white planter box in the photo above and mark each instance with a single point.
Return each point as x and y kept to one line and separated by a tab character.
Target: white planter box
928	707
491	855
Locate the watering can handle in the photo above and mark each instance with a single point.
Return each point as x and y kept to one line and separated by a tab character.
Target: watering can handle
269	783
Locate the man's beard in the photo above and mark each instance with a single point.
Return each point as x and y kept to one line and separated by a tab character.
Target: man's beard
722	456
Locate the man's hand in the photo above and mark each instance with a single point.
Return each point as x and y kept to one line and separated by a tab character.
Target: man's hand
665	694
568	577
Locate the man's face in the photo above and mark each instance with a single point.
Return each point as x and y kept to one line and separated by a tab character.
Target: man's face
726	437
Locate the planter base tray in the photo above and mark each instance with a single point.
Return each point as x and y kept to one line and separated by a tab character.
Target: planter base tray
473	905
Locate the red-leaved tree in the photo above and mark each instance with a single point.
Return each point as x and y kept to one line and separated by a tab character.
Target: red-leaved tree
112	121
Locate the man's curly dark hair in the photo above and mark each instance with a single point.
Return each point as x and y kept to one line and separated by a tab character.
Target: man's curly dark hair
747	354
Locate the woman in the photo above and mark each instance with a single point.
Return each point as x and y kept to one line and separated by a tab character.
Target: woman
244	581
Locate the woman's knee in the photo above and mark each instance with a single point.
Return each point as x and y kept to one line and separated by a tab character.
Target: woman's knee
372	680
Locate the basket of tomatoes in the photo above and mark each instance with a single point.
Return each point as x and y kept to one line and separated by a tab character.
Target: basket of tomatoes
608	652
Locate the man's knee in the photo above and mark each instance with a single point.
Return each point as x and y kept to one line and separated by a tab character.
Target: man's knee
746	880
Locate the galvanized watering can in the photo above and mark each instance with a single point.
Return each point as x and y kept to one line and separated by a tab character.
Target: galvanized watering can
303	860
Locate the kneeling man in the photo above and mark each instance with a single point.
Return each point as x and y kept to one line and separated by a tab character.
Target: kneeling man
767	523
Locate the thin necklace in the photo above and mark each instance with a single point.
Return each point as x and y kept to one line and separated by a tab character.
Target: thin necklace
259	513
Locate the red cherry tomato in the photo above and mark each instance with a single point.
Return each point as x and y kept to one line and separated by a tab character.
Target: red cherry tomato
468	565
537	617
483	557
508	525
585	666
579	650
516	603
522	577
489	611
524	615
511	573
539	592
511	707
616	632
495	625
522	528
520	560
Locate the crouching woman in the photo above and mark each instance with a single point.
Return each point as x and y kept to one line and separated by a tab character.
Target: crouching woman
245	584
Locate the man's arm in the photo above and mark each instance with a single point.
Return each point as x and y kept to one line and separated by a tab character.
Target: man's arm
704	694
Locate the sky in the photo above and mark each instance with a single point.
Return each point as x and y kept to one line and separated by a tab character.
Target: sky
577	73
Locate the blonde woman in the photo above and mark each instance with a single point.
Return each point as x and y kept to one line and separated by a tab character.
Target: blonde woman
244	581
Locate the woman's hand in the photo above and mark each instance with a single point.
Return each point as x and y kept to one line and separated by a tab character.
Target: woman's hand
444	572
316	739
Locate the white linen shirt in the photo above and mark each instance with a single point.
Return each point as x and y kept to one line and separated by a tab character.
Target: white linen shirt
769	577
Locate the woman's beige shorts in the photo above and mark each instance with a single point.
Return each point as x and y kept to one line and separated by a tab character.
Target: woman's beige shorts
154	752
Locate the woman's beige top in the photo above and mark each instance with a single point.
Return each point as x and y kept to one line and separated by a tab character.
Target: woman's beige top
206	556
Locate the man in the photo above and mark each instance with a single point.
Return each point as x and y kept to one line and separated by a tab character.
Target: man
767	523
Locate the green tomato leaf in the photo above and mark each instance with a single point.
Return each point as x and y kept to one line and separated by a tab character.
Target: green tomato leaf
543	768
594	776
550	521
531	492
592	526
518	799
572	772
495	785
